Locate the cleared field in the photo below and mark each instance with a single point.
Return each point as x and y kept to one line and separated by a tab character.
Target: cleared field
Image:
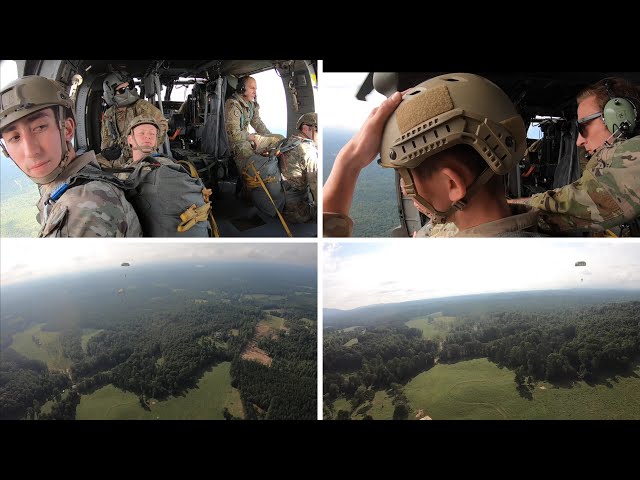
433	326
262	296
43	346
380	408
349	329
274	322
478	389
87	333
353	341
214	392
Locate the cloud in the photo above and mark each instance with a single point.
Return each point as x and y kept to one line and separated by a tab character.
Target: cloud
25	258
393	271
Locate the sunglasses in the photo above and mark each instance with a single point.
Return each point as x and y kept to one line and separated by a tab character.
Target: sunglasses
120	91
582	123
311	126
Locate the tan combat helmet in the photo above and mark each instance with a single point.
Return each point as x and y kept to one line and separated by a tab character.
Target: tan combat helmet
308	119
142	120
27	95
448	110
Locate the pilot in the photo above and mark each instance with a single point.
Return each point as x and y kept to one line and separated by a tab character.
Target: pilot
242	110
36	125
608	193
124	104
451	139
299	167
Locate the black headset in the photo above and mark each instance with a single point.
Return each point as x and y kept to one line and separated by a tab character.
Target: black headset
241	87
619	113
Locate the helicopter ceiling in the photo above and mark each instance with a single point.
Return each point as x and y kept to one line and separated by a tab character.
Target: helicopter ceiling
534	93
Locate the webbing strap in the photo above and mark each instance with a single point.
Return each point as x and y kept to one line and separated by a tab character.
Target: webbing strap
284	224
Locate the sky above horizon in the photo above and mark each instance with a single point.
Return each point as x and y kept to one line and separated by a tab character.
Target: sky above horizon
360	273
34	258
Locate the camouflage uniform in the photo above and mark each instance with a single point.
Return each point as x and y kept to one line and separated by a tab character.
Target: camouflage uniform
522	223
91	209
239	114
299	167
124	118
607	194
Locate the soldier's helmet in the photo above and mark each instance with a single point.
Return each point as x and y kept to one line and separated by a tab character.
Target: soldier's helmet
142	120
308	119
452	109
29	94
109	85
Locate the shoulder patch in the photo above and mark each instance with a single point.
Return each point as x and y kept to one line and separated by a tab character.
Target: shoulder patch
236	112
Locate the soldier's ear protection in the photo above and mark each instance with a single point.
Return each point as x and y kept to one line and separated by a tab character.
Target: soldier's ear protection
620	114
241	88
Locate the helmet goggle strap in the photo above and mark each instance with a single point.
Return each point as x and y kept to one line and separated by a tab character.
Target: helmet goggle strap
438	216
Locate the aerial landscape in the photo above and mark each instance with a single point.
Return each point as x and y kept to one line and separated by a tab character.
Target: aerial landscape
160	331
515	351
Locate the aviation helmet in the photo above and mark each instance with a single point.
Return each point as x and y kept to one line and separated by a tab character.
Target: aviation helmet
27	95
129	96
448	110
308	119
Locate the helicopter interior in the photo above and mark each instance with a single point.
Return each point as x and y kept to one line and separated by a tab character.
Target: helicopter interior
196	125
546	101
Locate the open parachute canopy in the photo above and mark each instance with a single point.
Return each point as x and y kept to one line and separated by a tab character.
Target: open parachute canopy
581	264
124	264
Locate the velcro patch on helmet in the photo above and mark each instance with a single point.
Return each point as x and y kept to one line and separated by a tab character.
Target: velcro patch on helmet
423	107
9	99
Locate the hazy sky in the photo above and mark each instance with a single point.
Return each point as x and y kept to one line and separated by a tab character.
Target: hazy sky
339	107
22	259
358	273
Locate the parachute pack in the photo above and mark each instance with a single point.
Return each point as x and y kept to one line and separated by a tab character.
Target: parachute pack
169	201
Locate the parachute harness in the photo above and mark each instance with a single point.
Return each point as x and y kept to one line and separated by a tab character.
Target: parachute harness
257	176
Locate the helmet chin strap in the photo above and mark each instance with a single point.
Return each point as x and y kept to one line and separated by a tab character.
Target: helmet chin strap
438	217
65	155
146	150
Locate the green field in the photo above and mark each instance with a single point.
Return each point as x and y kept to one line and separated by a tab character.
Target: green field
353	341
380	408
50	350
349	329
262	296
18	213
433	326
87	333
478	389
206	402
274	322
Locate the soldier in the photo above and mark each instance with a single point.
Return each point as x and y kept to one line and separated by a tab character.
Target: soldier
608	193
299	167
37	124
242	110
124	104
451	139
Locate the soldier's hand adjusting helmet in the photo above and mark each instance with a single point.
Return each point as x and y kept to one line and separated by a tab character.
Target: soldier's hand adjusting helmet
122	97
308	119
29	94
448	110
